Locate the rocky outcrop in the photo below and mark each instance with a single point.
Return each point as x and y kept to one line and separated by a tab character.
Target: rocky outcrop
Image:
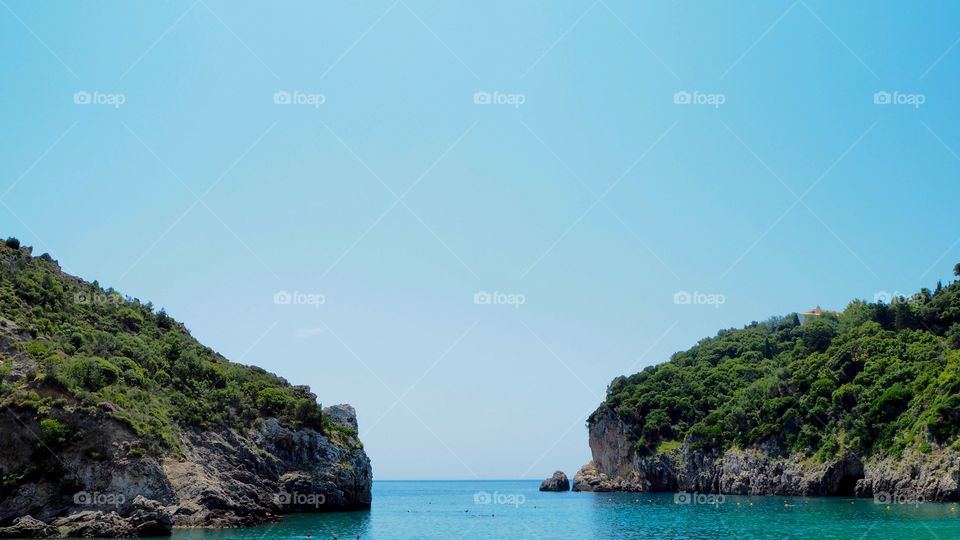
27	527
228	479
933	476
557	482
146	518
108	487
761	470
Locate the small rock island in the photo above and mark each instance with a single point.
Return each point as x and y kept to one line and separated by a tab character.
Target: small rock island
557	482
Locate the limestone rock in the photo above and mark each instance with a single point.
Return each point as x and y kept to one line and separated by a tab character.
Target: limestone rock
227	478
557	482
763	469
28	527
343	415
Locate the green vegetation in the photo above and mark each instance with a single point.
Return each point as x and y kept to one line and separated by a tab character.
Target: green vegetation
85	347
54	434
874	378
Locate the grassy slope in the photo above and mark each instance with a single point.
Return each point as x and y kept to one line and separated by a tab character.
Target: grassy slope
875	378
65	343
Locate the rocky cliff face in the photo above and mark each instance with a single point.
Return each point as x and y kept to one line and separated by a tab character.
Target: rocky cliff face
222	479
762	470
115	421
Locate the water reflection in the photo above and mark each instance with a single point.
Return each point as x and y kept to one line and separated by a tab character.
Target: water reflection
324	526
466	510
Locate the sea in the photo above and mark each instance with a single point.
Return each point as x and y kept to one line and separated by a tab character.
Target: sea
516	509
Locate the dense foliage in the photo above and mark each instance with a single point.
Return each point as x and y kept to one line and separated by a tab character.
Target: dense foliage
68	343
875	378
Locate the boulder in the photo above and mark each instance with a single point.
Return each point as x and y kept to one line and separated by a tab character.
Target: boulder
343	415
93	524
557	482
28	527
150	518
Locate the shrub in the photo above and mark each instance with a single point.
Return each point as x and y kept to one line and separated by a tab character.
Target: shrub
54	434
272	401
92	373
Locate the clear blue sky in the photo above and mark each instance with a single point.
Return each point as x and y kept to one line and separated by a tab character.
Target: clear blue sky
797	190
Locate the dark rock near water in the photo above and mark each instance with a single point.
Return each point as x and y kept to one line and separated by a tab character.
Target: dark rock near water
220	479
557	482
764	469
27	527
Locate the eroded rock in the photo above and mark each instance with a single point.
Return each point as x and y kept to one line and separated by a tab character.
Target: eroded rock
557	482
764	469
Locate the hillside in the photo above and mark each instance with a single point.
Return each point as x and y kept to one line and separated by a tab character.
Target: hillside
843	403
106	397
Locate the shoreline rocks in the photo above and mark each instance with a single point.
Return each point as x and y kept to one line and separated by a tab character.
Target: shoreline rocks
557	482
219	479
764	469
28	527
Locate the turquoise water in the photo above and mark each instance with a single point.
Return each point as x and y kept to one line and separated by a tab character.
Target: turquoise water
448	510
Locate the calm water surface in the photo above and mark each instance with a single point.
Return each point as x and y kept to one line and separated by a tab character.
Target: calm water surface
515	509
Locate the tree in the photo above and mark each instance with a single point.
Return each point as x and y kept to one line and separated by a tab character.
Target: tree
13	243
953	336
272	401
956	269
53	434
903	318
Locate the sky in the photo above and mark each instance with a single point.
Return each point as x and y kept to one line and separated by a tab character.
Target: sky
466	218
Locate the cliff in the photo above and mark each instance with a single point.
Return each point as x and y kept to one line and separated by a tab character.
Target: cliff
116	422
865	402
763	470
